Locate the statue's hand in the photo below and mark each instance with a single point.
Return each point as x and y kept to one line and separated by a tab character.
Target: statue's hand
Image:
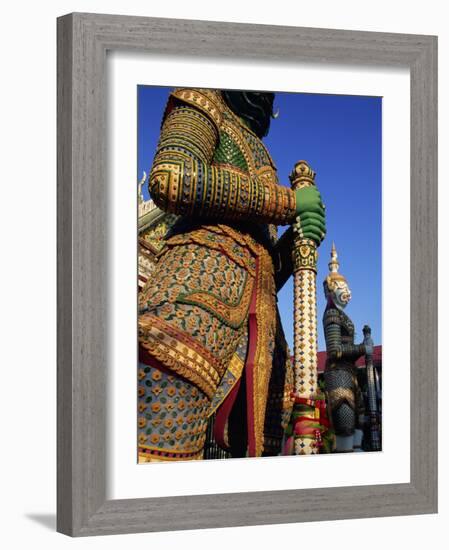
310	220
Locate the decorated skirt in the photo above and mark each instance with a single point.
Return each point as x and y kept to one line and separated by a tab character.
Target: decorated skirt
209	330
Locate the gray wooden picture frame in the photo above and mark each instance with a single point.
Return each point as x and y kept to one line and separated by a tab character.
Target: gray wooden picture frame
83	40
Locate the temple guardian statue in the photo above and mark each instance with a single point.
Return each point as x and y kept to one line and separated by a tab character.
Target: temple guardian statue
344	398
210	336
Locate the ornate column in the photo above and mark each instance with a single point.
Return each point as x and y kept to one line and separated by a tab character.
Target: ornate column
307	433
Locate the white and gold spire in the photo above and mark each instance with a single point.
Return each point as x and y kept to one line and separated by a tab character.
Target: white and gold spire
333	264
333	277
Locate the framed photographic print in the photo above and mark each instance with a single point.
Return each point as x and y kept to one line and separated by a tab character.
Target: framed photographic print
247	274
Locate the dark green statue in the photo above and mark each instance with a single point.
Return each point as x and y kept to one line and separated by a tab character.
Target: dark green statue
344	398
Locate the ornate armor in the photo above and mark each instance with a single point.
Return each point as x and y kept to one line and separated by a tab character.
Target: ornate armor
209	334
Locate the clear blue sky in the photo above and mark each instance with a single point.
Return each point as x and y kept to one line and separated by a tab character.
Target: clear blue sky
341	138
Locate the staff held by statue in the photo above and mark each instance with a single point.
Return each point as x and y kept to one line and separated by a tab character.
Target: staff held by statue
372	393
308	407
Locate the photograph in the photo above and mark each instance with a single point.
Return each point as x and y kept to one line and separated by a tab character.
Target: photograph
259	288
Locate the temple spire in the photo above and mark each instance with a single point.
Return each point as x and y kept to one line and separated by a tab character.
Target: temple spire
140	185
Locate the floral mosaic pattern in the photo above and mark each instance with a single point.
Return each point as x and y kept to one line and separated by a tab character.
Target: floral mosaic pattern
172	415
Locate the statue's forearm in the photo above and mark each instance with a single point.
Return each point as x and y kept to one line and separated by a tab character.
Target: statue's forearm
336	349
187	186
351	351
184	181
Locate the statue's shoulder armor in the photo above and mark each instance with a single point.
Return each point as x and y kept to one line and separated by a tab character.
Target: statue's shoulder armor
347	323
336	316
207	101
234	134
332	316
